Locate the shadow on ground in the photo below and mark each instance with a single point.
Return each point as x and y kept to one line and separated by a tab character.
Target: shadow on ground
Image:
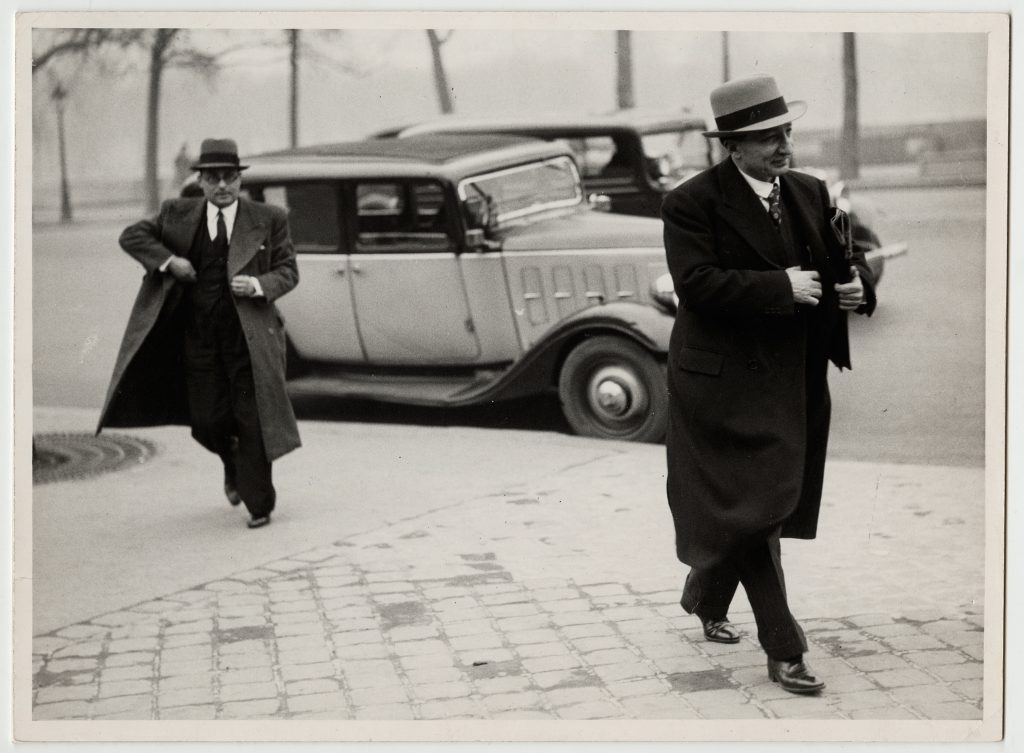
538	413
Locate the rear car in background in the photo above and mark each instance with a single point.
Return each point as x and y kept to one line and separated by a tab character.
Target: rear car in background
629	159
455	270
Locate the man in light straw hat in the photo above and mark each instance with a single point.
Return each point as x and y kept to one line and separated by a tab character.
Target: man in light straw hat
761	312
205	345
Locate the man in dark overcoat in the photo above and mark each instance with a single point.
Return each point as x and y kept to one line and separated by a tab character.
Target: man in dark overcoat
764	288
205	345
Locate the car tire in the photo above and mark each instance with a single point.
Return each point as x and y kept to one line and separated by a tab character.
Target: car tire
613	388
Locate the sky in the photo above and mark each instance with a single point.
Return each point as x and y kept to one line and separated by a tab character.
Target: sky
356	81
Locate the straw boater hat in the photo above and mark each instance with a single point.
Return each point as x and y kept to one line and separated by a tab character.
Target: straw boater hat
218	153
751	104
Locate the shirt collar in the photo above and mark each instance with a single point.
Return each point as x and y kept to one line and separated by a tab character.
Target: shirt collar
229	212
761	187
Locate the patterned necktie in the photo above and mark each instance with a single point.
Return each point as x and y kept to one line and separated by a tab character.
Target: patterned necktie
775	206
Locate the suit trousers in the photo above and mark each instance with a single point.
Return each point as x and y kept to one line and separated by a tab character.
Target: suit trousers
758	566
222	401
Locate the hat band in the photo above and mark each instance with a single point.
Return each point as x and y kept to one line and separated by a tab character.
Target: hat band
752	115
210	157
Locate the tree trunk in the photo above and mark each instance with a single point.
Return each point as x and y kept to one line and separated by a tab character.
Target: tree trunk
293	113
725	57
162	39
444	95
66	214
624	80
849	161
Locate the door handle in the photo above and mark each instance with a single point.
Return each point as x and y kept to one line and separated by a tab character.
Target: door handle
340	271
356	269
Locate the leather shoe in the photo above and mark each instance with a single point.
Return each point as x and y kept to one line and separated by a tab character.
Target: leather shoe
793	676
230	490
259	521
232	494
720	631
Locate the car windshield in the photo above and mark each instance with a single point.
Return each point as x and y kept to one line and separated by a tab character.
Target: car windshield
676	153
518	192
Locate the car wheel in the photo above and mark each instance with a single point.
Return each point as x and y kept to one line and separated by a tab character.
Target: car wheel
612	388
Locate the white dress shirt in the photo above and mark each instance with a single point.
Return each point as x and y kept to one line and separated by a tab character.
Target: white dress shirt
762	188
229	218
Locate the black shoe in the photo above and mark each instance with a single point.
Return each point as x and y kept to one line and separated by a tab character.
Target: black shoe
230	486
793	676
259	522
232	493
720	631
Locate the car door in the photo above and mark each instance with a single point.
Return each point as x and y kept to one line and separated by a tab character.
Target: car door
319	314
407	284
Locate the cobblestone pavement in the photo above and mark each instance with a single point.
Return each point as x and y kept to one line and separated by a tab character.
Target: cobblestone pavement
551	600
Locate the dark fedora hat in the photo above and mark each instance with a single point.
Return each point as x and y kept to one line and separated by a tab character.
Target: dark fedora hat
752	103
218	153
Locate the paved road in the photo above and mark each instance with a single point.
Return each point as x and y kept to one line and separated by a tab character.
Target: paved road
482	579
916	394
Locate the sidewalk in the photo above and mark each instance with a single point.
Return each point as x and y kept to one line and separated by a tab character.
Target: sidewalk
535	579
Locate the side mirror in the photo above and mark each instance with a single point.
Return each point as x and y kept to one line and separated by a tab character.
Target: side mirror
477	212
600	202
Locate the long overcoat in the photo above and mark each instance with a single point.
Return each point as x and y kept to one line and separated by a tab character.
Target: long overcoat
148	384
745	444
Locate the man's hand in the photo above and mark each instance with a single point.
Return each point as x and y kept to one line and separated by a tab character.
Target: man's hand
241	286
182	269
851	294
806	285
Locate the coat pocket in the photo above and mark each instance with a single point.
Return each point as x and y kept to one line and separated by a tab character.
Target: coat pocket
700	361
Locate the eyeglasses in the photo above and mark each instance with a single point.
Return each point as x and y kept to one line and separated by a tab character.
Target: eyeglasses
216	176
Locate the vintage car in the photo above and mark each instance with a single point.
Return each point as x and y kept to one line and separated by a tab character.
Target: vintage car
630	159
631	156
452	270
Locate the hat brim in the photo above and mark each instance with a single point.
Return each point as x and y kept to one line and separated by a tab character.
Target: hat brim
796	108
210	165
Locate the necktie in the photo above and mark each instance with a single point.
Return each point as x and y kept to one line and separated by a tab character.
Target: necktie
775	206
222	229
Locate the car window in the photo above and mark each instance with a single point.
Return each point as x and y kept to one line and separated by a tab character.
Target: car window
313	216
676	153
601	157
518	192
401	217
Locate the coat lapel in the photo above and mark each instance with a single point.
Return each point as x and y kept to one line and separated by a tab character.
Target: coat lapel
245	238
742	209
810	224
181	224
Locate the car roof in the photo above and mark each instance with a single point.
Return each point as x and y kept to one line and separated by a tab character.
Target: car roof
433	155
643	120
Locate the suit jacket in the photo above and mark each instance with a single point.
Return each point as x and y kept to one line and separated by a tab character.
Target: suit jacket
147	387
749	405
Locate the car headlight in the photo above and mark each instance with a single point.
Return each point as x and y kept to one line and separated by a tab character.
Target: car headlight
663	291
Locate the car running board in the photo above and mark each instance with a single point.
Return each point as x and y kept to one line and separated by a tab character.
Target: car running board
412	390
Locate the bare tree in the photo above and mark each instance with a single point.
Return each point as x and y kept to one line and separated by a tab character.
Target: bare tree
293	109
168	48
725	57
311	45
849	161
444	95
624	78
62	53
51	45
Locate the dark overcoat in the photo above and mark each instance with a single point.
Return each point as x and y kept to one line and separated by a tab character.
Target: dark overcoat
748	423
148	384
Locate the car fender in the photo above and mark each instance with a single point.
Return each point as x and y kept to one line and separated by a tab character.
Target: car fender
538	368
